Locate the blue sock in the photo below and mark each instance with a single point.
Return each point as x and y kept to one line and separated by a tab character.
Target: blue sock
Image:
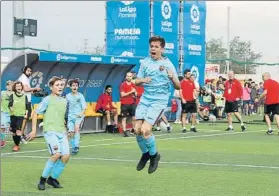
77	139
58	169
2	136
142	144
151	145
48	168
72	142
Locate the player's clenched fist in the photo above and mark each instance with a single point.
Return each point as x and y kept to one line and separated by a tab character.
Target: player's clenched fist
170	74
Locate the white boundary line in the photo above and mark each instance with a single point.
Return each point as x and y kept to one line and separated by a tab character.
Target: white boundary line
162	162
131	142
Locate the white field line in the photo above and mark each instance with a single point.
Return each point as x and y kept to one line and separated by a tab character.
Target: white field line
32	142
162	162
131	142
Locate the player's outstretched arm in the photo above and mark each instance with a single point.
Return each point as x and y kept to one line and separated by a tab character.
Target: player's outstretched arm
32	134
175	81
140	81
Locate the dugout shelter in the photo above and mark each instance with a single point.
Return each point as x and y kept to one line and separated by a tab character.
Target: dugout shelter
93	71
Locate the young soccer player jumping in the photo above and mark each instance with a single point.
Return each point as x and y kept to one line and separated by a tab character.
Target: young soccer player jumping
77	106
54	107
156	74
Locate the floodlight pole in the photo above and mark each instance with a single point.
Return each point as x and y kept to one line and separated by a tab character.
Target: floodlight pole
18	40
228	39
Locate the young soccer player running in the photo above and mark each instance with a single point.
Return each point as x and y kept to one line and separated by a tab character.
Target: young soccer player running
156	74
54	107
18	104
271	94
5	111
77	106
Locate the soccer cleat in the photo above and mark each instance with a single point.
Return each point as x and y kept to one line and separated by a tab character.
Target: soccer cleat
243	128
184	130
22	139
53	182
143	160
75	150
126	133
193	129
132	132
269	132
42	184
3	144
158	129
16	148
154	161
229	129
168	129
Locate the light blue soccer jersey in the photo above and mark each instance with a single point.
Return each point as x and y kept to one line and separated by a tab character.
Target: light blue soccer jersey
159	88
77	104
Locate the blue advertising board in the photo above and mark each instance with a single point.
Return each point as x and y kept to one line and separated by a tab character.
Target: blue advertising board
127	28
165	24
194	45
80	58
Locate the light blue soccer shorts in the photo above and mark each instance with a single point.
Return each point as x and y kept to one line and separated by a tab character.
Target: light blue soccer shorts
73	122
150	111
5	120
57	142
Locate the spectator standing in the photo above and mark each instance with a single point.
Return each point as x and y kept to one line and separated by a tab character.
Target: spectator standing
128	96
253	98
246	97
233	93
261	102
187	92
177	98
220	100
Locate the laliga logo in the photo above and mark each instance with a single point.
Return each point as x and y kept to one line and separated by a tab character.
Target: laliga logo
58	57
166	10
127	2
36	79
195	13
195	72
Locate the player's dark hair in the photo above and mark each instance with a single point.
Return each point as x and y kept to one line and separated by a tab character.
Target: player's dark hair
158	39
187	71
107	87
247	83
53	80
27	67
15	83
74	81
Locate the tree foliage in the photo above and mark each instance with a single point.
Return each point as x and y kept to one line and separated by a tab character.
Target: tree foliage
239	51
